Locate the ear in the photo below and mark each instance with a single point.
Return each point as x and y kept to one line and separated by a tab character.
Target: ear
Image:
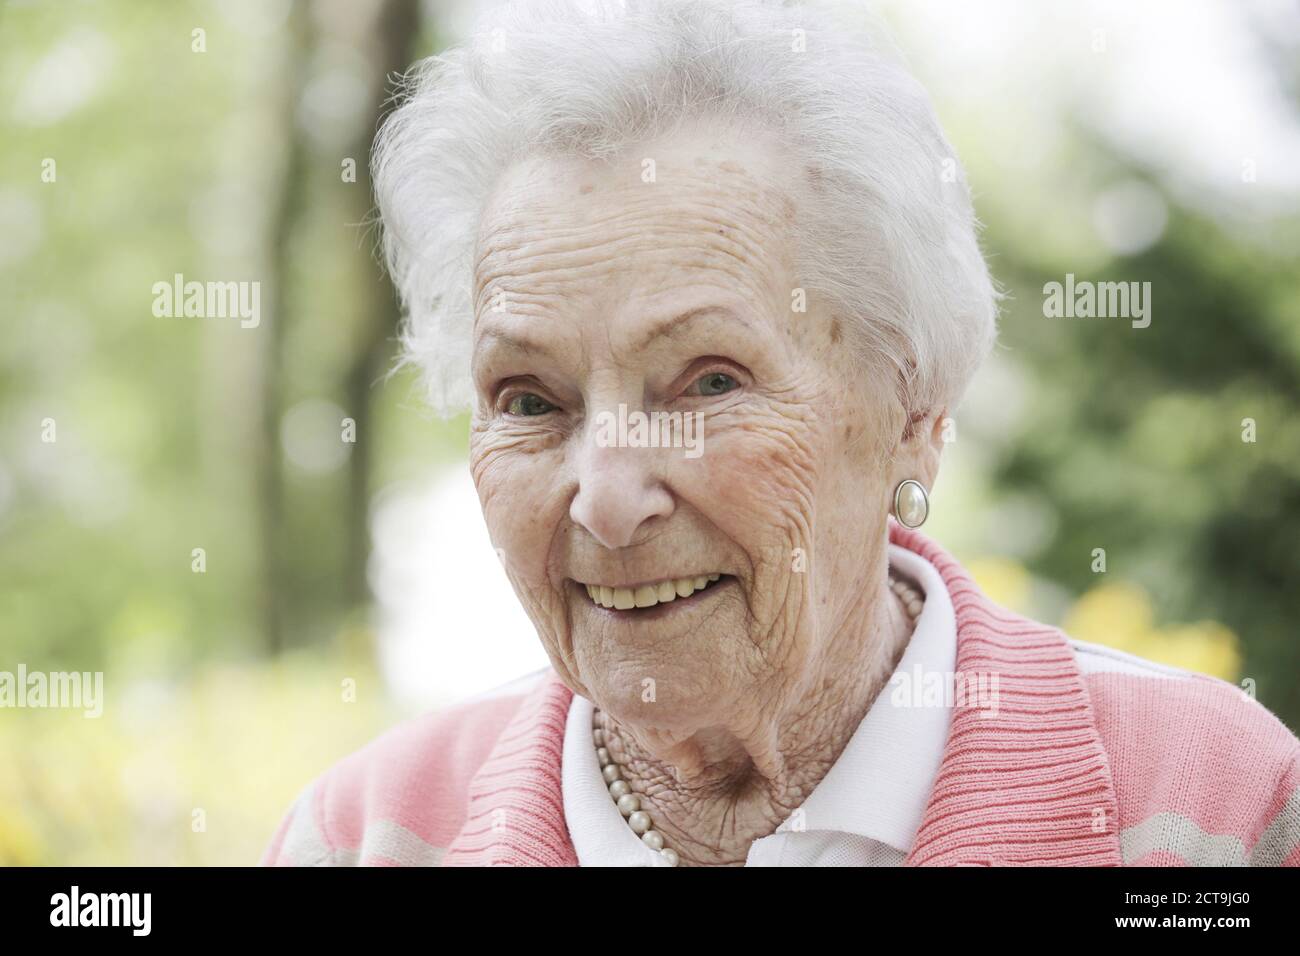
919	449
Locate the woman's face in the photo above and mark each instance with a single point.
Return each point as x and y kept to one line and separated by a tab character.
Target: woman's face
664	283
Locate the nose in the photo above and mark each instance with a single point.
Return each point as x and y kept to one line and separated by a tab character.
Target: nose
619	490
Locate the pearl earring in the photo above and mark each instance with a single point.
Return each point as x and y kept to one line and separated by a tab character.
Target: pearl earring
911	503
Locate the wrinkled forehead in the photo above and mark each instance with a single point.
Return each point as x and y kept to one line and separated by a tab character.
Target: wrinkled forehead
708	209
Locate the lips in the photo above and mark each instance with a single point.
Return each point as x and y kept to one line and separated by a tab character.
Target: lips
649	594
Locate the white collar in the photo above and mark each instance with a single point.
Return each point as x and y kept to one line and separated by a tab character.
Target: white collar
877	789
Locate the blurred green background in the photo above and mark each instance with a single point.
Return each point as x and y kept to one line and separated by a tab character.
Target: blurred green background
228	690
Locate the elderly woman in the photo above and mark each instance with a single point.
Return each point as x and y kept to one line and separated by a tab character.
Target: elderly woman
742	223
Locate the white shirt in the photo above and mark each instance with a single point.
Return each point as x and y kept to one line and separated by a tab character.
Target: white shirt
865	811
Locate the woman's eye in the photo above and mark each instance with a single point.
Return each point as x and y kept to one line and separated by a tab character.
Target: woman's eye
529	404
715	383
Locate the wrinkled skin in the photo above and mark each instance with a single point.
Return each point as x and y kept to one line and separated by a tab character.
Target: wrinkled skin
759	681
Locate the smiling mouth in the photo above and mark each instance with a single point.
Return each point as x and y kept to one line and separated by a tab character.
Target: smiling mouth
650	595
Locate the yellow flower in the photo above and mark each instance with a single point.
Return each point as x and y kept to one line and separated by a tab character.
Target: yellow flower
1003	580
1120	615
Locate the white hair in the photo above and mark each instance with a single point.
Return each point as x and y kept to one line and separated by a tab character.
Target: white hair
884	230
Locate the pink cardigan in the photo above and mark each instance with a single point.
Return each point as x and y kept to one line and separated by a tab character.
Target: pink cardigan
1121	766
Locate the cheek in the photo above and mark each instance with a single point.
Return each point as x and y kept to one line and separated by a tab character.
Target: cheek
757	476
521	490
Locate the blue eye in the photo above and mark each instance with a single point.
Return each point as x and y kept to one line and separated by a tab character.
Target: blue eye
715	383
529	404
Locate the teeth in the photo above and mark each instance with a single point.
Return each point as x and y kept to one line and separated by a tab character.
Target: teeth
648	595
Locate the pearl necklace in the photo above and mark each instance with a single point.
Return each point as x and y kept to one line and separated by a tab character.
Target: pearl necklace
629	804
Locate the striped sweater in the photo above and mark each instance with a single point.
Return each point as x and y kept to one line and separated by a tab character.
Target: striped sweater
1091	757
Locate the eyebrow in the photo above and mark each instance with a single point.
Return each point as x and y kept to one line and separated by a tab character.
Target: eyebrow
673	325
676	324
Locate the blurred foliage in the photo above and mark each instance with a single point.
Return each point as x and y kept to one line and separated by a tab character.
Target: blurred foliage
182	433
175	434
1134	441
1119	615
187	772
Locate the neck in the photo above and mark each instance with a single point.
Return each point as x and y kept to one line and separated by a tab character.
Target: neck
714	794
